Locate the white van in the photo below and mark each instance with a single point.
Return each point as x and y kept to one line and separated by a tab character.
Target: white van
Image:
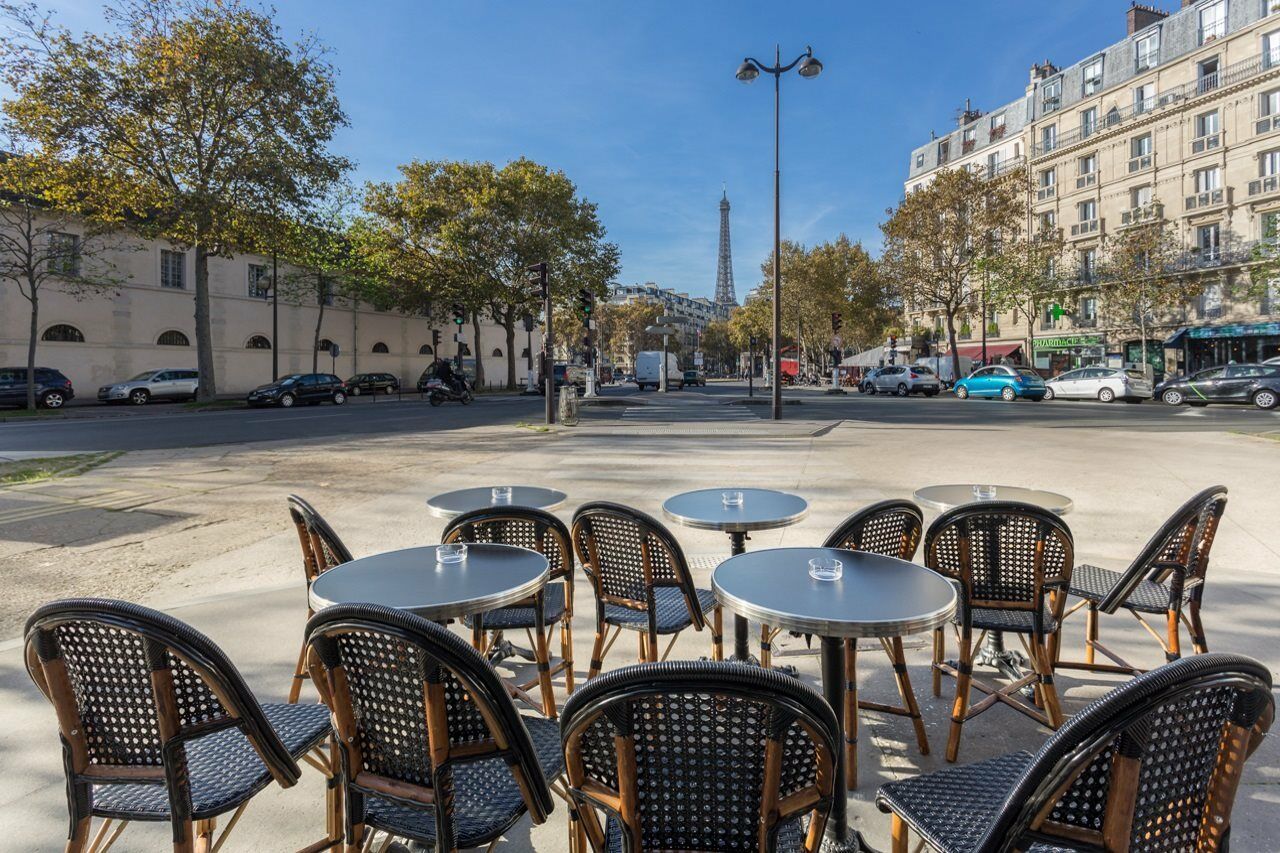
648	365
942	365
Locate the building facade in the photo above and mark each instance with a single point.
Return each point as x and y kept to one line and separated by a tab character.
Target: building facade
1179	123
147	322
696	312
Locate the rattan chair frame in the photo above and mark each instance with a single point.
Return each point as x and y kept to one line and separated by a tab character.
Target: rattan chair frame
1085	786
651	535
553	540
1177	555
444	655
192	690
1046	590
322	549
610	701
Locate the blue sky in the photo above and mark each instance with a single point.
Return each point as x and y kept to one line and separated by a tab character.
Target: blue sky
637	103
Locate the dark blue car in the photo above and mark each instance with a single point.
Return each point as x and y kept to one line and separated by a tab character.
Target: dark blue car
1003	381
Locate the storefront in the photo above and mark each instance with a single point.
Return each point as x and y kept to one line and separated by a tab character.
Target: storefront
996	353
1197	347
1067	352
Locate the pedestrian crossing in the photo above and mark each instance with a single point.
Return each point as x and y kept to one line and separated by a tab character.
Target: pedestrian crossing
666	413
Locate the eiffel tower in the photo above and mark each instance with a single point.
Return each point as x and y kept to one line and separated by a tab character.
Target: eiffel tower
724	264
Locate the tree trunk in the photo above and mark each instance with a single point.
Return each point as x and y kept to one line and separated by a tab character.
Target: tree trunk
479	353
1031	329
951	342
509	324
315	338
208	387
34	298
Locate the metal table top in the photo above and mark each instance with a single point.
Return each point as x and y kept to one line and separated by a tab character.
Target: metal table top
876	596
454	504
410	579
958	494
761	509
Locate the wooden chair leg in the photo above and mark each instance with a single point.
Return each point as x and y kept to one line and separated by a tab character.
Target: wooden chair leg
542	658
651	648
851	714
597	652
766	648
355	840
642	656
1046	690
899	834
1174	636
939	652
1198	640
717	634
908	695
204	834
959	710
299	675
78	841
1090	631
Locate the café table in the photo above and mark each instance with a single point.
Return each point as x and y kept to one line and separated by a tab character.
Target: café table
875	597
455	503
412	579
761	509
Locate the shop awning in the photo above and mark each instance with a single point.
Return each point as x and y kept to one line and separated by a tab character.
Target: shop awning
1227	330
1176	338
974	351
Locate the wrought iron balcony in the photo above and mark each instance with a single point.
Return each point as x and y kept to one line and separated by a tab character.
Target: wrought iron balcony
1005	167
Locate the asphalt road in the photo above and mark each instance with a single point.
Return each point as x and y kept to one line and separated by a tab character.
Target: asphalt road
166	428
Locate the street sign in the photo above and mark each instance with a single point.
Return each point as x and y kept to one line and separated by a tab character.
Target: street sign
837	342
697	359
661	330
335	350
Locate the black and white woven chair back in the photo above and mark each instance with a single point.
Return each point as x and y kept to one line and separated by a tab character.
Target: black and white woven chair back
321	547
1152	766
703	755
628	552
131	685
523	527
401	675
1000	551
889	528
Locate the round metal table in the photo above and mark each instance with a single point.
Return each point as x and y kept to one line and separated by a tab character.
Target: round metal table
761	509
958	494
454	504
876	597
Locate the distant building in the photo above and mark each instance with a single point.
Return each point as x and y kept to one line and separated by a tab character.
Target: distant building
697	312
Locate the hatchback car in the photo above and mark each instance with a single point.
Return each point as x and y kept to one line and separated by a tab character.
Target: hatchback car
53	390
309	388
1233	383
867	385
169	383
905	380
372	383
1099	383
1003	381
695	378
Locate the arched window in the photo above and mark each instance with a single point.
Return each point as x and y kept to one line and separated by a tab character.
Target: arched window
425	349
497	353
325	345
258	342
380	347
62	333
173	338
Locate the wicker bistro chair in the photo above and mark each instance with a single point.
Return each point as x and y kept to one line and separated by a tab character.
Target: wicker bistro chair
1011	563
432	748
641	581
1167	577
700	756
157	725
539	531
321	551
1151	766
890	528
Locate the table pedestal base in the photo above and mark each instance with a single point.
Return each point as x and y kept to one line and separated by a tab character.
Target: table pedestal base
1010	663
839	837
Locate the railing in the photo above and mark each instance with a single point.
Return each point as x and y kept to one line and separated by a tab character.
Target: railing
1084	229
1264	186
1210	33
1208	142
996	133
1228	76
1051	104
967	145
1210	198
1005	167
1150	212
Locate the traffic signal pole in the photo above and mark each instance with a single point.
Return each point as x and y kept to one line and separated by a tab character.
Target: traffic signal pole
548	366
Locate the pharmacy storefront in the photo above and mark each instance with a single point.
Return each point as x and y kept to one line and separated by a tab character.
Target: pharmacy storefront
1067	352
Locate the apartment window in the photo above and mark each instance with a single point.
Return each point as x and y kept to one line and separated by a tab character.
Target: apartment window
1208	180
1052	95
259	277
944	151
1088	264
1211	301
1092	77
920	161
1271	297
1087	315
1051	268
1048	177
63	333
1213	21
1088	210
1048	220
64	254
1207	75
1140	196
1147	51
1087	164
173	269
1049	137
993	163
1270	224
1207	124
173	338
1208	241
1144	98
1088	122
969	138
1269	163
1269	103
997	126
1140	146
1271	49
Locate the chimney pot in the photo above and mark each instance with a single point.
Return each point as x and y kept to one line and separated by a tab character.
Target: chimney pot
1141	16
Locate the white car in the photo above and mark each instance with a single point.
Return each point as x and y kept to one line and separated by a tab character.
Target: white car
1104	384
168	383
905	380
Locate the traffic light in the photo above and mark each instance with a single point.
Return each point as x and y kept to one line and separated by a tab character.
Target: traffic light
539	279
459	315
836	321
753	342
435	341
586	302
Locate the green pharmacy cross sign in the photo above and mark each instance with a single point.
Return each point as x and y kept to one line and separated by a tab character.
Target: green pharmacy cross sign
1055	310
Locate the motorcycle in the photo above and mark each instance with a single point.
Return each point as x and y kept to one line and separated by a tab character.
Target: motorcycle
438	392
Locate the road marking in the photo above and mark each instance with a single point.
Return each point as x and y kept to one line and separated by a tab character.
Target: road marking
110	501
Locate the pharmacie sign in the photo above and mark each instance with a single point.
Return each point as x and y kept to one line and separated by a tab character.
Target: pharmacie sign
1069	341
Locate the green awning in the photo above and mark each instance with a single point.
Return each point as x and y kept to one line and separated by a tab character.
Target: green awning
1230	330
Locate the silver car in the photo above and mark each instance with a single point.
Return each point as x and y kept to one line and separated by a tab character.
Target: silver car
1104	384
907	379
167	383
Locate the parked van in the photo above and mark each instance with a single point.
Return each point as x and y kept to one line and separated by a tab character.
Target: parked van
942	365
648	365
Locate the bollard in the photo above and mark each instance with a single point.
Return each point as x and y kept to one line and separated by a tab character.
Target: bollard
569	405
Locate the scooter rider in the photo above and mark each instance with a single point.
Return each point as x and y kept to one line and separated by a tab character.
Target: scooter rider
444	372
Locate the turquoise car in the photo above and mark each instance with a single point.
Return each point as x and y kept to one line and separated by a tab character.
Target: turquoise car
1003	381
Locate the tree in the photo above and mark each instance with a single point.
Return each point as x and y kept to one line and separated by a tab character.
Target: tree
1024	273
173	122
622	329
934	240
43	243
718	346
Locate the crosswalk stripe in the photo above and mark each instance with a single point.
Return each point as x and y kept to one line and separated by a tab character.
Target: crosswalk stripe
687	414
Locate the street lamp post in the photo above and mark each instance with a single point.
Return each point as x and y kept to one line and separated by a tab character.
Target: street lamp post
808	67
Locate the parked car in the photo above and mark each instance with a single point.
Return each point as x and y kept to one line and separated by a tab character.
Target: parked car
1272	361
372	383
1233	383
565	374
868	383
649	370
944	367
53	390
695	378
1099	383
905	380
166	383
1003	381
309	388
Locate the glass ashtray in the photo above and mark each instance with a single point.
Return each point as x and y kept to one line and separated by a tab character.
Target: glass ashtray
501	494
826	569
731	498
453	553
984	493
